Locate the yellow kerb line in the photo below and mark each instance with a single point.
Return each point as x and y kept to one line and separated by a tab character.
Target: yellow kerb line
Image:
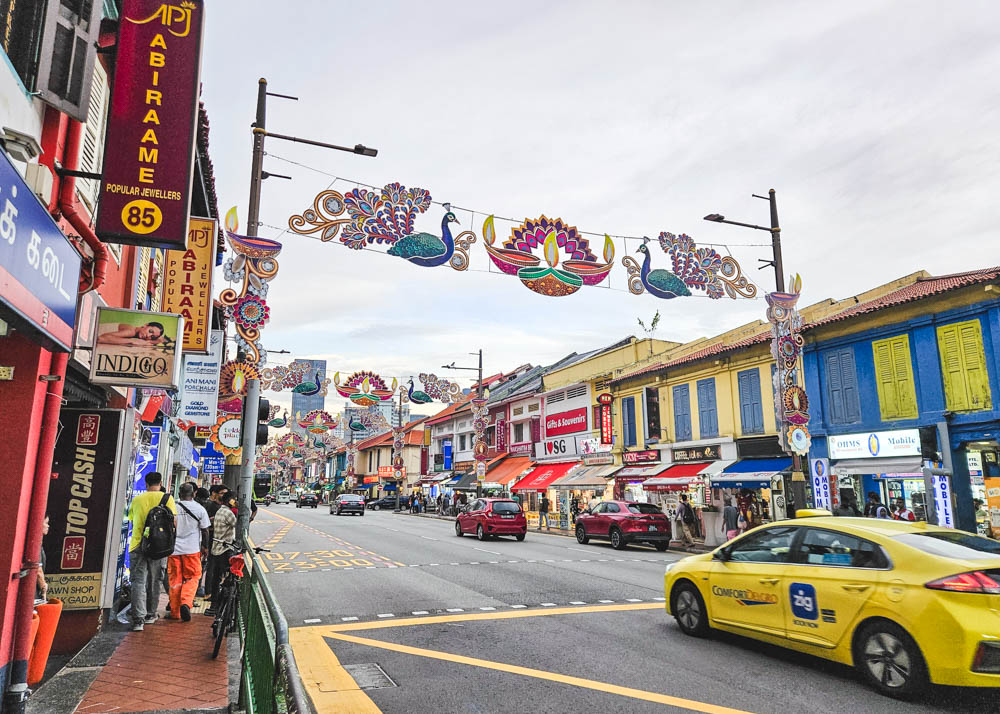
331	688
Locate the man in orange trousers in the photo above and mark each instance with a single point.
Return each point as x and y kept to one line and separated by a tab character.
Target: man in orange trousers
184	566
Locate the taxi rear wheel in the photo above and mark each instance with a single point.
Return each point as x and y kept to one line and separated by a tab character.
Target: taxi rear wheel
889	659
689	610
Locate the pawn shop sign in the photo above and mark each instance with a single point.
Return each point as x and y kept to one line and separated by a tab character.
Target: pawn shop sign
152	124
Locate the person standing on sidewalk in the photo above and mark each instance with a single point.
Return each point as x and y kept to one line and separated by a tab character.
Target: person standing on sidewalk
543	512
145	571
686	519
184	566
730	521
224	526
211	508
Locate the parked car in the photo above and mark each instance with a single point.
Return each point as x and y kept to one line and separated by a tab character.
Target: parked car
624	522
492	517
388	502
347	503
283	497
307	498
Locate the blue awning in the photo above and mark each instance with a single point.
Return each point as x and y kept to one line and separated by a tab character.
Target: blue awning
388	486
750	473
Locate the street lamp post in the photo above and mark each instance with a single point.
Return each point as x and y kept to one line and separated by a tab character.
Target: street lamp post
798	476
479	396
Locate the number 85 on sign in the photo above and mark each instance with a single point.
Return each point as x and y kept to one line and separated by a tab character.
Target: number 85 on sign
141	216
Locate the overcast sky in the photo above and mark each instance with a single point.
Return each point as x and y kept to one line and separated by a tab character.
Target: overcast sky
876	122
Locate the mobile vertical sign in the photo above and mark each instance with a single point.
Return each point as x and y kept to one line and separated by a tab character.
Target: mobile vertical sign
81	499
152	125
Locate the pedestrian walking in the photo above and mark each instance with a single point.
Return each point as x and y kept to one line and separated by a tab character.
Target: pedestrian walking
874	507
543	512
184	565
731	521
574	508
144	568
686	519
901	512
224	525
215	492
440	495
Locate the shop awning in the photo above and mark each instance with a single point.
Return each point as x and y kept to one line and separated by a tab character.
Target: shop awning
678	477
464	482
508	470
899	465
750	473
641	473
716	467
586	477
541	477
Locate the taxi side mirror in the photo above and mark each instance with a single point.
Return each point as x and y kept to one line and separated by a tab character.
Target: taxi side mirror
721	554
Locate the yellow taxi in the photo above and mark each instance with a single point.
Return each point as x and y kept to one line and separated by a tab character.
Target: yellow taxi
907	604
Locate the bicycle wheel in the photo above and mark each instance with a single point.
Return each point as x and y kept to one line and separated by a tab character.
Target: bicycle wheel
221	624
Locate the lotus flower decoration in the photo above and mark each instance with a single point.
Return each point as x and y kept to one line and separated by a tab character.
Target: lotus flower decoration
250	312
364	388
317	422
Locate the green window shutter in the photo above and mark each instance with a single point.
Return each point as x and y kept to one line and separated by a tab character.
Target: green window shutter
888	403
971	338
903	374
952	371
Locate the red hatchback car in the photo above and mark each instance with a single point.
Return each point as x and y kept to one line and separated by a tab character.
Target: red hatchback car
490	517
624	522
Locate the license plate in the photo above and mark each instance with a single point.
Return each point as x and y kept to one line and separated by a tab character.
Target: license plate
652	528
506	516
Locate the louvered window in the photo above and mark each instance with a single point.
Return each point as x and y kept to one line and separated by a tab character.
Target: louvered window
751	408
682	412
897	396
517	411
963	366
68	55
557	397
575	392
533	407
843	403
708	413
93	137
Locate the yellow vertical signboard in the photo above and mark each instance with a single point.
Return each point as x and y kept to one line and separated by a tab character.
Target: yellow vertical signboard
187	283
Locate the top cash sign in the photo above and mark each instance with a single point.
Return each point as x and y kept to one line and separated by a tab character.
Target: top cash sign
149	152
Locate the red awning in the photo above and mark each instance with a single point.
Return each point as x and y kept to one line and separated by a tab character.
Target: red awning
679	477
508	470
542	476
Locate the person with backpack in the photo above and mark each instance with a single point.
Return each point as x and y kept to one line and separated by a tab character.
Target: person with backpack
543	512
153	518
184	564
874	507
686	519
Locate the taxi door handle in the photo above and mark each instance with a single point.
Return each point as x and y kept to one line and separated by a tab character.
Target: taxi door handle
855	588
769	581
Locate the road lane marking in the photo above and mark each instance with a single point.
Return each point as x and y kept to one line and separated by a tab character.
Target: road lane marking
656	697
349	619
577	602
581	550
420	612
548	604
632	599
386	614
483	550
330	686
605	601
313	620
429	538
455	609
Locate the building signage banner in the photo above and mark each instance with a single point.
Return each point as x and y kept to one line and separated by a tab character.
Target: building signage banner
200	383
519	450
942	500
137	349
820	473
446	450
875	444
187	284
39	267
598	459
500	430
152	124
592	446
641	457
81	494
697	453
554	448
213	464
568	422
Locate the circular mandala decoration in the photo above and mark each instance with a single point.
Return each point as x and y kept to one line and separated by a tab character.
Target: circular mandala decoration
788	347
233	378
799	439
251	312
226	435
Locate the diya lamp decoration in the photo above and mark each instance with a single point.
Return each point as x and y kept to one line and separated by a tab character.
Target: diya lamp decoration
364	388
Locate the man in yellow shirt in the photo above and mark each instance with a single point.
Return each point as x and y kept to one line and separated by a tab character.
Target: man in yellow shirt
145	572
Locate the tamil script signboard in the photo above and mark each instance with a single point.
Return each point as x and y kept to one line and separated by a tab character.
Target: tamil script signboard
39	267
200	384
145	194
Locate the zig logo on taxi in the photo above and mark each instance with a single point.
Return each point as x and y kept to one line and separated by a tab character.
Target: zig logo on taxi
746	597
803	599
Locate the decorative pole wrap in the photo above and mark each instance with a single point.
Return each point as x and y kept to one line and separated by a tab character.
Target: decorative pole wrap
790	400
480	416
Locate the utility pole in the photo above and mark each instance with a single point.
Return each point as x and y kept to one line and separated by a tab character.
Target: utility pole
779	267
248	457
399	425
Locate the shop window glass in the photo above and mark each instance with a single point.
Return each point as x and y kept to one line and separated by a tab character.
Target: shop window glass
708	414
843	403
772	545
461	442
963	366
897	396
682	413
519	433
628	420
652	398
751	408
820	547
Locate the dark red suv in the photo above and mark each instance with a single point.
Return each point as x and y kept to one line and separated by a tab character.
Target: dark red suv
490	517
624	522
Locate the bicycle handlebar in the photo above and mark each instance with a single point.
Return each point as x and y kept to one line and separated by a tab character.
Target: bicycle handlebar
255	549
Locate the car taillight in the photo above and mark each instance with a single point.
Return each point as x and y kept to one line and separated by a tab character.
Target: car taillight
974	582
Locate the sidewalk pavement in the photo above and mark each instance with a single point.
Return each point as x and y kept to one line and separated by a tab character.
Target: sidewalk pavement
166	668
674	545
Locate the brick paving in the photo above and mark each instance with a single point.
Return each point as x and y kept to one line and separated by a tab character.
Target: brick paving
167	666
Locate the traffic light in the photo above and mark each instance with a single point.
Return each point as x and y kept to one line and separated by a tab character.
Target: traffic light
263	412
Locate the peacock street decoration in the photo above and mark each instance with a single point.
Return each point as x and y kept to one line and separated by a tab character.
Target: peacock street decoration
416	396
296	377
364	388
560	243
356	424
442	390
253	264
693	268
786	347
278	422
385	218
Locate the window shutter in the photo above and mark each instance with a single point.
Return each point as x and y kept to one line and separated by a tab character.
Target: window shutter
849	385
708	417
903	375
835	388
628	420
68	55
682	412
536	430
93	136
950	348
756	403
974	357
746	399
887	401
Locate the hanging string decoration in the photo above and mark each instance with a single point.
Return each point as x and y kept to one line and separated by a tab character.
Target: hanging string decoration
385	218
786	346
693	269
364	388
296	378
558	243
252	265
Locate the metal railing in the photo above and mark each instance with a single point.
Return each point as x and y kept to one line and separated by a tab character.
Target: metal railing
269	680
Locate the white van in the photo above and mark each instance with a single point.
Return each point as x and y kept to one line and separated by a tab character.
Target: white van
283	497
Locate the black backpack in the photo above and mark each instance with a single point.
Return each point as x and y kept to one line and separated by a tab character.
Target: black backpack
687	513
159	532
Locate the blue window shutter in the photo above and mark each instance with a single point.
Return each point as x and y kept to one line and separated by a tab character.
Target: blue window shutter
708	417
757	403
849	384
628	420
682	413
751	409
834	387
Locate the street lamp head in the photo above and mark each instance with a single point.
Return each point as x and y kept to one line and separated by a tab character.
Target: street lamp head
448	366
715	217
364	150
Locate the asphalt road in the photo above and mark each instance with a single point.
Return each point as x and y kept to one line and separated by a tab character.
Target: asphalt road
545	625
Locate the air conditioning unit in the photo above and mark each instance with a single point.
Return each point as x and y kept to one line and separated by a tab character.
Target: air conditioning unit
39	179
